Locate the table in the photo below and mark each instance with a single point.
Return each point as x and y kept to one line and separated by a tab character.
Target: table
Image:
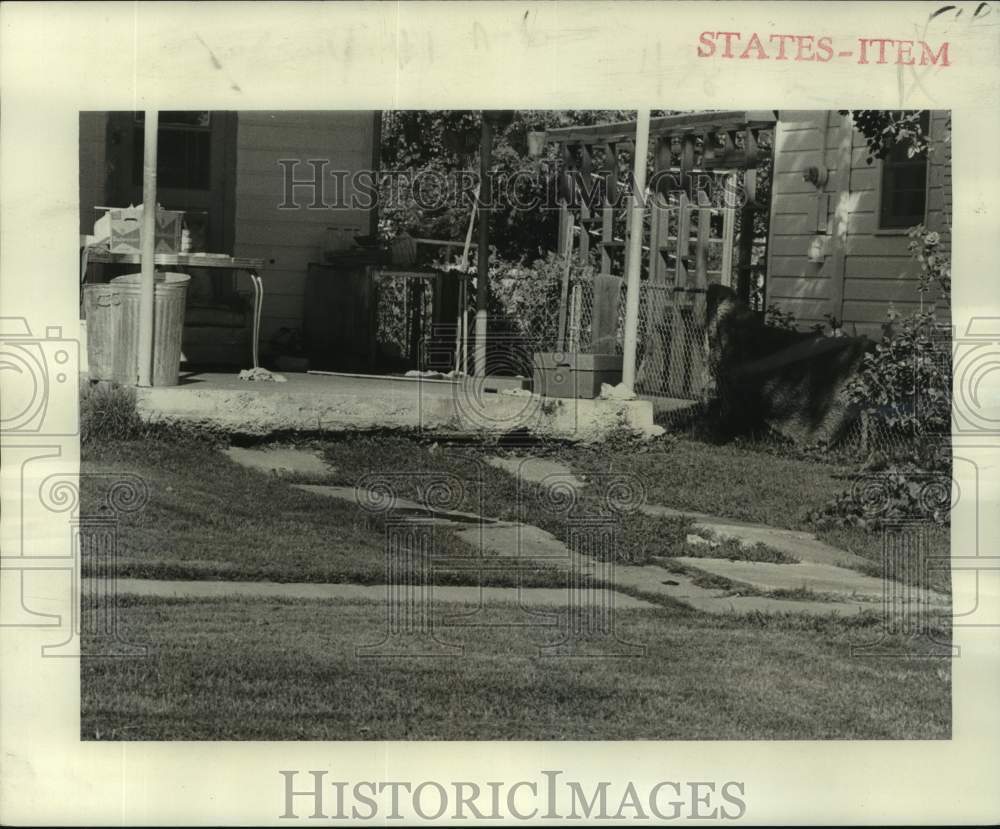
252	267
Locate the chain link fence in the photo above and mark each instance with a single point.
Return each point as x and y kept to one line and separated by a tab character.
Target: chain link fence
672	359
672	353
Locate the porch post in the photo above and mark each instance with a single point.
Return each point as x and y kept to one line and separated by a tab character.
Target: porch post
147	287
483	250
631	338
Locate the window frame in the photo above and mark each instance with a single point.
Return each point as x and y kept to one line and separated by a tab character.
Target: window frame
902	230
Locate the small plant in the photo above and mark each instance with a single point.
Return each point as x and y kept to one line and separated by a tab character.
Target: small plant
885	129
905	491
935	264
777	318
108	412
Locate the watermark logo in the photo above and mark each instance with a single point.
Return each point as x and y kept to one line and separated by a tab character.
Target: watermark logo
553	795
507	398
414	508
39	376
89	574
976	359
315	184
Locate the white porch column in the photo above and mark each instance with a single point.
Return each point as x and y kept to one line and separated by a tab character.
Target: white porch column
147	295
631	338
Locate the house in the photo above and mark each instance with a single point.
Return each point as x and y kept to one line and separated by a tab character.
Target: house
835	243
225	170
828	241
838	241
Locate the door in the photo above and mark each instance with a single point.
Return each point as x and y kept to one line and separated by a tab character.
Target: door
195	170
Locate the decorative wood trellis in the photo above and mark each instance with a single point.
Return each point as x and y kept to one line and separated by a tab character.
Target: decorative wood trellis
682	237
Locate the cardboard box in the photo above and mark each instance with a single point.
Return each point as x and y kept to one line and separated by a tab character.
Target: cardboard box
126	230
563	374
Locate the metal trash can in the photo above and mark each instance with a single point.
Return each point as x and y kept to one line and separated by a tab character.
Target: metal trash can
112	313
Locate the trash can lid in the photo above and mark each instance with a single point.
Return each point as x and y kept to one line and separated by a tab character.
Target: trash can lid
158	276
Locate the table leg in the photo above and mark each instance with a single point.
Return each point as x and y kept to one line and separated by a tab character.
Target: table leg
258	305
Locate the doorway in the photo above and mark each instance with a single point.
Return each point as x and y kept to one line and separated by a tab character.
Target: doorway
195	170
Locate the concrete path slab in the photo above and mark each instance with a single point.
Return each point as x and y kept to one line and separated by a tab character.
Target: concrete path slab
525	596
538	471
521	540
649	580
368	499
820	578
801	545
652	580
279	460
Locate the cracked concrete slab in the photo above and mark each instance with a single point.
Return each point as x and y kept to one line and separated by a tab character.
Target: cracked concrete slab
368	498
820	578
522	541
654	580
538	471
279	460
799	544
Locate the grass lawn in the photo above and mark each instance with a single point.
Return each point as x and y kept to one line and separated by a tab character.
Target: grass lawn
725	480
410	463
210	518
752	485
268	670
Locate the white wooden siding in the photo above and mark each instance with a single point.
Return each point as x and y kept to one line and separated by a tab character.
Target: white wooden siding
797	212
875	267
288	240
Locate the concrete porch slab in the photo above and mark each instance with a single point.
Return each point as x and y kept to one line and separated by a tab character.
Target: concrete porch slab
339	403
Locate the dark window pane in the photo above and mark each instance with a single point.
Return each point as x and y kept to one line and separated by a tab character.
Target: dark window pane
904	186
182	159
185	118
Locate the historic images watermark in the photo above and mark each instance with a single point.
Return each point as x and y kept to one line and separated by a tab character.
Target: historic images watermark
975	356
314	184
315	795
39	375
39	414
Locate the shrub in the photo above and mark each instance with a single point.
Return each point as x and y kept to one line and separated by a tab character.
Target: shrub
526	297
935	263
777	318
903	391
905	384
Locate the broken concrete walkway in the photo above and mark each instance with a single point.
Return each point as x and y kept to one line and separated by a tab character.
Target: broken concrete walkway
537	546
821	568
803	546
818	570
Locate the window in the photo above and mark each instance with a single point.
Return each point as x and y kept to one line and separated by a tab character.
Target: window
184	151
904	186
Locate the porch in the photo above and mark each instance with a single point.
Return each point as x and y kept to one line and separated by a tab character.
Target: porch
355	402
